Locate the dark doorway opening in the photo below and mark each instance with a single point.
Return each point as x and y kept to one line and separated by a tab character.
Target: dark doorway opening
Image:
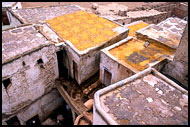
5	20
34	121
65	112
63	71
107	77
7	83
13	121
75	71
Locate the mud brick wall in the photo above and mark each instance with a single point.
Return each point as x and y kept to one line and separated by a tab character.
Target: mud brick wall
29	80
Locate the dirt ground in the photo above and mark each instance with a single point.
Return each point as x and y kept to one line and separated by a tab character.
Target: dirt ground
130	5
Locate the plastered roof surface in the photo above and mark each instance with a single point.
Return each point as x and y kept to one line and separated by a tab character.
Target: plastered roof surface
84	30
134	53
40	14
17	41
167	32
8	4
148	100
133	27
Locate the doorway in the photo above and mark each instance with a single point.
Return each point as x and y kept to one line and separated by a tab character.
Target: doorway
63	71
13	121
75	71
34	121
107	77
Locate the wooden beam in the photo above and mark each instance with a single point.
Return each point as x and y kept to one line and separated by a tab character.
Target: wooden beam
76	107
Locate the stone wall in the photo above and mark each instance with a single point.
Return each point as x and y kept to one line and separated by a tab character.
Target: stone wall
31	77
168	11
178	68
43	107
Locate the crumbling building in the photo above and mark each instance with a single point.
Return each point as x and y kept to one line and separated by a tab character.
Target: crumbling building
150	45
29	69
146	98
85	34
7	19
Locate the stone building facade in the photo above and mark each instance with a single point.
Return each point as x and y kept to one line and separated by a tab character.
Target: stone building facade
29	69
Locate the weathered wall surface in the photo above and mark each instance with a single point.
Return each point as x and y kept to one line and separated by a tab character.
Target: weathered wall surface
178	68
168	11
181	10
88	64
71	56
118	71
13	20
42	107
29	80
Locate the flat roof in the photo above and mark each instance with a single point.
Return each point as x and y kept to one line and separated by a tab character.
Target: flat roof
147	100
133	27
40	14
168	32
84	30
8	4
17	41
133	53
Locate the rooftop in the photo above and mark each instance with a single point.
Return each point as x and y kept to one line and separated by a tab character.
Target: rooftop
133	27
132	52
20	40
167	32
8	4
84	30
40	14
147	100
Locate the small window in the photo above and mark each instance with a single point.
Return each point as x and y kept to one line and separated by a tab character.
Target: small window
13	121
23	63
7	83
40	61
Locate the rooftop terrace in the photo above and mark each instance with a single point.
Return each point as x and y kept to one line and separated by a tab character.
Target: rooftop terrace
148	100
20	40
133	53
167	32
84	30
133	27
40	14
